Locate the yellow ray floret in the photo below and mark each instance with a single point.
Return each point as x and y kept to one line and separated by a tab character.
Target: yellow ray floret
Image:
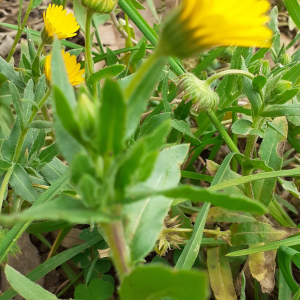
201	24
59	23
72	68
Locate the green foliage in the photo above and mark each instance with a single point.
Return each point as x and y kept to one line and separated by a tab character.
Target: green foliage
157	281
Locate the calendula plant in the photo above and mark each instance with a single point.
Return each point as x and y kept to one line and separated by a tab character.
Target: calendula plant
119	152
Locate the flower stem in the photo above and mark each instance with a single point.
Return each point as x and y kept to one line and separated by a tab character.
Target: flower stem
88	42
4	185
232	146
64	3
248	153
116	240
40	49
214	77
20	31
88	49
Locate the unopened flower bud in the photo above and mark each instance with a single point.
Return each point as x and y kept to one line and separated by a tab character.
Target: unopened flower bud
281	87
198	91
86	114
100	6
285	59
265	68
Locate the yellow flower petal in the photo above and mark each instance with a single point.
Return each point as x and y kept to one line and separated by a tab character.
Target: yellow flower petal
200	24
72	67
58	22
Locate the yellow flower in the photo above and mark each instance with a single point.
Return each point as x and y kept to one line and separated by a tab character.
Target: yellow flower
72	68
58	23
201	24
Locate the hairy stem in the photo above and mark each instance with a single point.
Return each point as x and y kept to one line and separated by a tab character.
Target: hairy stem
116	240
20	31
214	77
248	154
40	49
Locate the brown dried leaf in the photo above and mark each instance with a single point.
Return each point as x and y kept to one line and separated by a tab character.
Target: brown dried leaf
262	267
104	253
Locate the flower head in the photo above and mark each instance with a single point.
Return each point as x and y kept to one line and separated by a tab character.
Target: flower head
100	6
59	23
198	91
200	24
72	68
170	236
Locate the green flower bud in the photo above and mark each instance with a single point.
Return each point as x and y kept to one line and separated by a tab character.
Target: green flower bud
281	87
198	91
100	6
265	68
86	115
285	59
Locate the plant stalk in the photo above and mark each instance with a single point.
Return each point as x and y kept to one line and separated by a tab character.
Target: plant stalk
216	76
248	154
116	240
88	49
40	49
20	31
4	185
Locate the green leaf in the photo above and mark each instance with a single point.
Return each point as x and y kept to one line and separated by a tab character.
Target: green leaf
141	230
59	75
4	165
53	263
36	3
218	214
153	123
112	125
232	202
253	95
220	275
191	250
9	240
8	71
46	226
155	281
289	186
184	127
48	153
251	233
63	208
17	103
293	9
244	127
107	72
140	89
98	289
285	256
80	14
40	124
66	114
278	110
67	144
25	287
271	152
259	82
22	185
140	54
